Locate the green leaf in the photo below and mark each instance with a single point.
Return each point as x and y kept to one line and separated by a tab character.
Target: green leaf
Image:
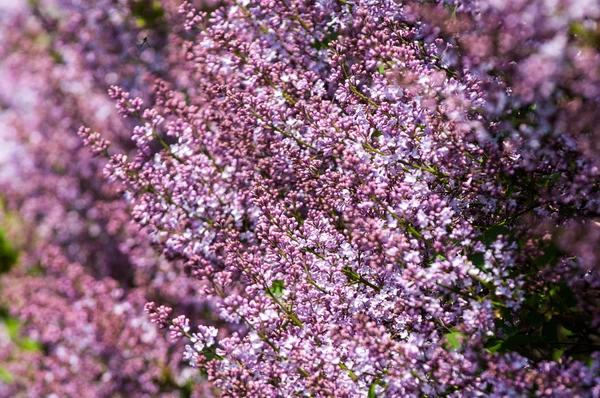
324	44
209	355
491	234
140	22
493	345
518	340
550	257
376	134
562	297
556	354
563	333
454	340
30	345
535	300
277	287
5	376
13	327
587	36
147	14
371	393
550	330
478	260
8	254
535	319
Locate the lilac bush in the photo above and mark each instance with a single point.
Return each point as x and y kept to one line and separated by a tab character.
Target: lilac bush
77	324
54	186
371	198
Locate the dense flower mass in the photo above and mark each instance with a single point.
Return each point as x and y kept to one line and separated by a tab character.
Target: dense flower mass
331	198
55	187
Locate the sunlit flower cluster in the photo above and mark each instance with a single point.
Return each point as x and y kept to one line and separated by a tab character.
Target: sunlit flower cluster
330	198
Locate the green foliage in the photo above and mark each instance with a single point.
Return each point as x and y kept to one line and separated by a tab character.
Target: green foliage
13	327
324	44
28	344
8	254
454	340
277	287
147	14
5	377
587	36
492	233
548	326
371	393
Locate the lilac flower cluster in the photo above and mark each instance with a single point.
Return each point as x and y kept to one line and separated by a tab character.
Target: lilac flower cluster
371	198
77	324
357	192
55	70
